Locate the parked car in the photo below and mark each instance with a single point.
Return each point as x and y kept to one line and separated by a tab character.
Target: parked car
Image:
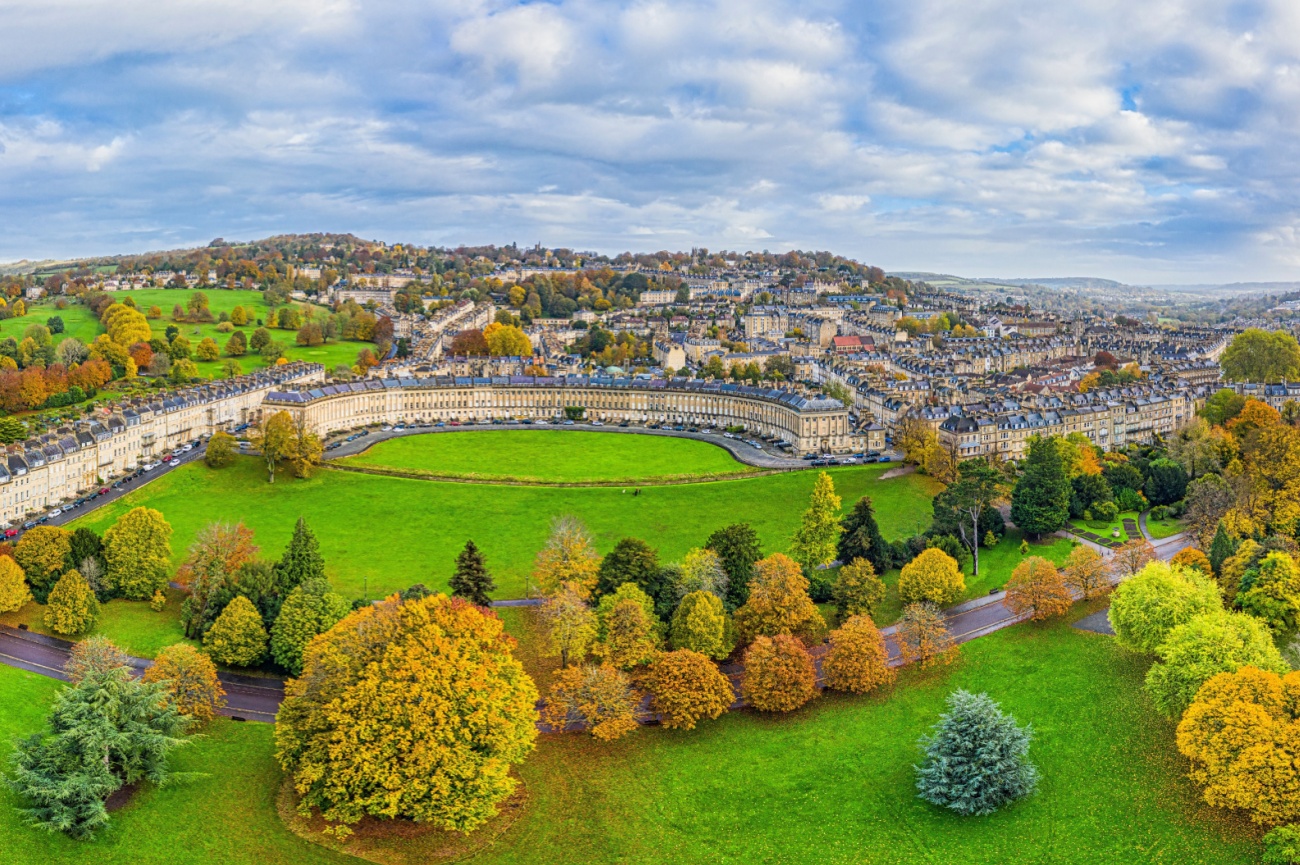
568	423
440	424
55	512
597	423
9	533
30	524
151	466
187	448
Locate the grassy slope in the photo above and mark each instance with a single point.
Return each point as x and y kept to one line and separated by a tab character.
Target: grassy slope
395	532
831	783
551	455
80	323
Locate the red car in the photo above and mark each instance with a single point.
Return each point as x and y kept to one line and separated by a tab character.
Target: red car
9	533
103	491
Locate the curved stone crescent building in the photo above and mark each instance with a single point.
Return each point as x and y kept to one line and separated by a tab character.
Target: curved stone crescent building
809	424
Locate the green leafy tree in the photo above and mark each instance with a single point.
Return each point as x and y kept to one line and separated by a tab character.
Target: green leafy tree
1258	355
310	609
471	579
72	607
1274	595
1224	405
138	552
1040	502
738	549
105	732
860	538
631	561
221	450
700	624
301	561
978	488
1147	606
813	543
1210	643
857	589
237	638
12	430
1166	482
976	758
627	630
1282	846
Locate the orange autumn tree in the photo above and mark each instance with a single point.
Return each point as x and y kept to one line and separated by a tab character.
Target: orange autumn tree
595	698
1085	572
858	660
687	687
779	674
414	710
1036	587
778	601
1242	734
190	677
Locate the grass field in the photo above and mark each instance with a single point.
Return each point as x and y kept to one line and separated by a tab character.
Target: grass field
551	455
831	783
132	625
79	322
385	533
1163	528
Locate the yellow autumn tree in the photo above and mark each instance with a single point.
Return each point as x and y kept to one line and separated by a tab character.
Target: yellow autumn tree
599	699
14	593
779	674
858	660
414	709
932	576
687	687
778	602
569	558
1085	572
1242	734
1037	588
190	677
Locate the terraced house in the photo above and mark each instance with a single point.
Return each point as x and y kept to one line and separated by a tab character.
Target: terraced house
809	423
56	467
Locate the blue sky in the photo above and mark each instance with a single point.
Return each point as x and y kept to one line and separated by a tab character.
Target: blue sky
1148	142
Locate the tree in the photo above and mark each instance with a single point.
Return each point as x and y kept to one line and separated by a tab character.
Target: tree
207	349
221	450
1040	502
1131	557
701	571
923	636
978	488
1232	574
1257	355
857	589
778	602
471	579
570	624
779	674
211	563
84	544
1222	406
1166	482
858	660
310	609
506	340
93	656
1037	588
14	593
42	553
239	316
595	698
700	624
860	537
813	543
1221	549
976	758
468	343
1145	608
138	552
1240	733
568	557
738	549
627	633
307	450
72	607
1274	596
190	678
1208	644
261	339
1190	557
12	429
932	576
1200	448
237	345
106	731
1085	572
631	561
275	439
687	687
301	561
238	637
422	723
1208	499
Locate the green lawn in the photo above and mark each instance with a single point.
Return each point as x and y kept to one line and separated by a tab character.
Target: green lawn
831	783
132	625
80	323
385	533
551	455
996	565
1163	528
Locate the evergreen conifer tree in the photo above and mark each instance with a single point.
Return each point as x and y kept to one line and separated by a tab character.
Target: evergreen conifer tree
1221	548
301	561
976	758
1040	502
861	538
471	580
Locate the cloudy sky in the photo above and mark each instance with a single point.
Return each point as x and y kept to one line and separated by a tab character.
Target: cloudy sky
1151	141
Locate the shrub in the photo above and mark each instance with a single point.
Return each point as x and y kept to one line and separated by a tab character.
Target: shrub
932	576
1106	512
237	637
190	677
159	601
72	607
976	760
779	674
857	589
687	687
858	660
596	698
1145	608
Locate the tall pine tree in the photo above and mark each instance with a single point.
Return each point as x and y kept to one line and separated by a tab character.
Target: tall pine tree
1221	548
471	580
1040	502
861	538
301	561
